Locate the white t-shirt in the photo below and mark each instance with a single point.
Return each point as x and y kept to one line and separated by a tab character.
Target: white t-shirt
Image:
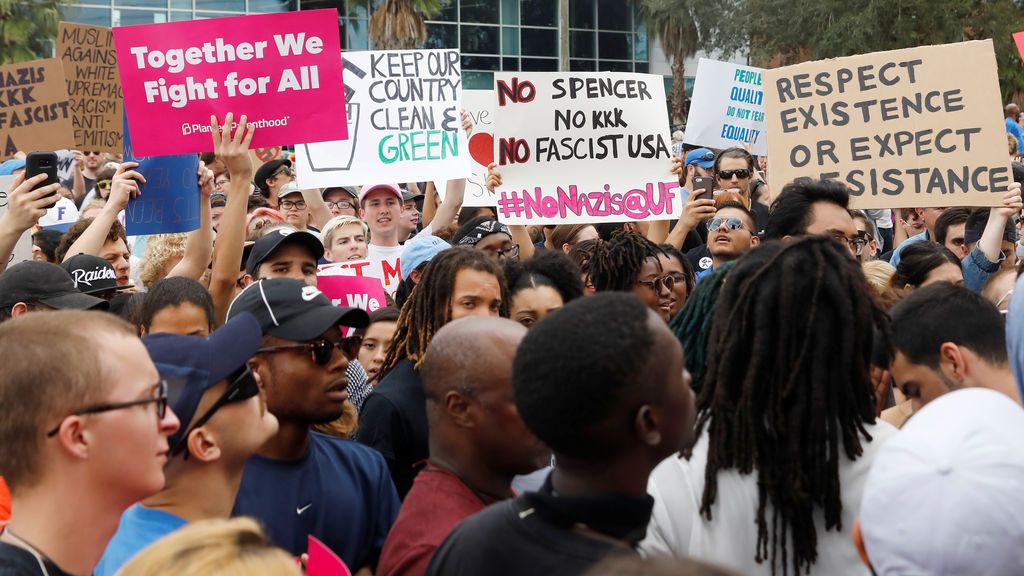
730	538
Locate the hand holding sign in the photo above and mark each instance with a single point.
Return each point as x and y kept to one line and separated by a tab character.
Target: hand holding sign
233	149
124	186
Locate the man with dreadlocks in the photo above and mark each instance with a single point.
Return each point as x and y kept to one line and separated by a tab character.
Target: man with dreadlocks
785	423
630	263
458	282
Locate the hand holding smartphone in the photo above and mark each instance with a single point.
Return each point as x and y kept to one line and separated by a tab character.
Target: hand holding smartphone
43	163
703	185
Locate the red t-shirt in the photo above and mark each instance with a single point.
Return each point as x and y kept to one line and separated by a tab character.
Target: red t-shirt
5	502
437	502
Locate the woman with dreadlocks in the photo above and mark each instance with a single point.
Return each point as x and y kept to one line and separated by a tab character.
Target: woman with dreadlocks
631	263
786	419
457	282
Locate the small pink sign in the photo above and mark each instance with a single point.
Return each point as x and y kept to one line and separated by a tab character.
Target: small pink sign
283	71
354	291
324	562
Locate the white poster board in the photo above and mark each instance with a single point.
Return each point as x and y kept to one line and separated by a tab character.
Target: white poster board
479	104
727	108
583	147
404	123
389	272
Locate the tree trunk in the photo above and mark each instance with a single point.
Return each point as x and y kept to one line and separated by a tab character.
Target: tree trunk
678	87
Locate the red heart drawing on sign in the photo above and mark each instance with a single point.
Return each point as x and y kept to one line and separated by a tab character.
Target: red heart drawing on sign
481	148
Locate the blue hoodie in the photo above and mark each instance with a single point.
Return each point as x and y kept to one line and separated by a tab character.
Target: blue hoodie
1015	335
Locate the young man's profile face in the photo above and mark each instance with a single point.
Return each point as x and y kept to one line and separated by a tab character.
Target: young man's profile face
381	212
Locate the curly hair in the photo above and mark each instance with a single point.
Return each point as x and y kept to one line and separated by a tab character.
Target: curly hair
550	268
115	233
161	254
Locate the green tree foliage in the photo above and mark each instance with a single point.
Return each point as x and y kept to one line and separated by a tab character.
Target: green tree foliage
28	29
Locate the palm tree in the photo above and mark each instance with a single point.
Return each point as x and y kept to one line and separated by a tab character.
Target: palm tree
398	24
672	23
28	28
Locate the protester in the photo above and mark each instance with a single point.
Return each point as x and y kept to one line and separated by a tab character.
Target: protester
478	442
342	201
816	208
638	409
631	263
376	342
94	276
271	177
581	254
541	285
223	422
39	286
993	246
999	289
934	355
345	238
565	236
731	234
456	283
409	223
163	252
1012	117
490	237
693	324
929	216
44	245
87	439
879	275
866	243
415	256
299	481
734	172
676	264
25	207
786	419
302	209
285	253
950	230
925	263
177	306
381	206
235	547
946	495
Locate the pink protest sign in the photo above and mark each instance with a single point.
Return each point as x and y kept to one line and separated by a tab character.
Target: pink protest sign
283	71
323	562
355	291
1018	39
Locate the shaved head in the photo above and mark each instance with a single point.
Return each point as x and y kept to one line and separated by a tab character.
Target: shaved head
1011	110
468	353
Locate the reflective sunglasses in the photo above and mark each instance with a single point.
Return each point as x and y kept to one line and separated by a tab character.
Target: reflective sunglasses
160	399
668	282
731	224
742	174
706	157
242	387
322	350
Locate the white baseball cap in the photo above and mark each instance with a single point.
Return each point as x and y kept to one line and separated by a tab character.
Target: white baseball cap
946	495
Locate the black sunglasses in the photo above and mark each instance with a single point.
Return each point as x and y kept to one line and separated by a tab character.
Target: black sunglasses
160	400
242	387
323	349
742	174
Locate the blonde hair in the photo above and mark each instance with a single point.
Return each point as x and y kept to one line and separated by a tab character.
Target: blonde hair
160	251
567	234
344	427
94	204
878	273
337	222
235	547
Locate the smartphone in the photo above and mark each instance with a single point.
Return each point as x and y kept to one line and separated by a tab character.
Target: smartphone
43	163
703	184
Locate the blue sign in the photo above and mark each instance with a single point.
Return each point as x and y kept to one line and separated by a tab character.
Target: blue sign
169	200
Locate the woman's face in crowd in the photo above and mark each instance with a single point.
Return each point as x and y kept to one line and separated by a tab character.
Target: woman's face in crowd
375	346
476	293
498	246
948	272
347	243
729	165
674	268
652	289
186	319
531	305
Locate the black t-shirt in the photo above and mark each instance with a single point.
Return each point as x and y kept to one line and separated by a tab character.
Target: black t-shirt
15	561
393	421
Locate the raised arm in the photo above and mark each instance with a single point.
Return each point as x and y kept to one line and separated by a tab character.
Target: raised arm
233	151
318	210
199	246
125	185
25	207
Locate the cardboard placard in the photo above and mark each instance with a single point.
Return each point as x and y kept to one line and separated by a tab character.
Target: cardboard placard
583	147
404	122
23	248
356	291
280	70
35	113
169	200
902	129
727	108
94	87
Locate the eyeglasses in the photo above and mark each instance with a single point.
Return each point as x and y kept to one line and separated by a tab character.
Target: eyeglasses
677	277
293	205
742	174
104	184
322	349
284	170
731	224
855	244
92	153
243	387
667	282
340	205
509	253
218	184
160	400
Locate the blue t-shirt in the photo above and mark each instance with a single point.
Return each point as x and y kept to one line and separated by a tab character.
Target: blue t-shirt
340	492
139	528
1013	128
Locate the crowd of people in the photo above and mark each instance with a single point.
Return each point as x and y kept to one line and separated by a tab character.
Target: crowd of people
772	384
